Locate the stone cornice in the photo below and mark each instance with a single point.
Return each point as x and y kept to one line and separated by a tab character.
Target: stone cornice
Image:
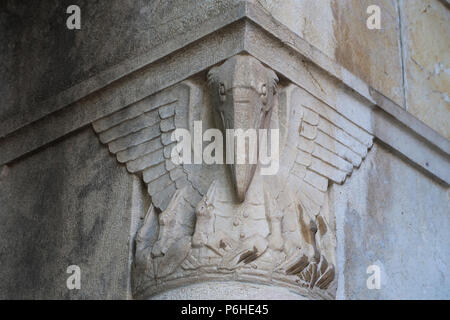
245	28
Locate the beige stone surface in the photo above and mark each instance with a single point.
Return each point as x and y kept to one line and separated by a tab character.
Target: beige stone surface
392	216
426	40
372	55
310	19
338	28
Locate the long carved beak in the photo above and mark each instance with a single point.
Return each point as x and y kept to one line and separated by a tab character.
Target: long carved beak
242	112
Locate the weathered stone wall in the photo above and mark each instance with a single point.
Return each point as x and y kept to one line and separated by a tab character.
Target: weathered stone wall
426	38
40	57
390	215
407	60
68	204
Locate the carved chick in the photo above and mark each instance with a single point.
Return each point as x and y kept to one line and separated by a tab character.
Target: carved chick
205	214
174	242
299	240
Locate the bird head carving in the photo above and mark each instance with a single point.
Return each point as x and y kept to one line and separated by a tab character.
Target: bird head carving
243	92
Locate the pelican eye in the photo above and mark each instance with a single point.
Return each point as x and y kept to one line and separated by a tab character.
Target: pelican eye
264	89
222	89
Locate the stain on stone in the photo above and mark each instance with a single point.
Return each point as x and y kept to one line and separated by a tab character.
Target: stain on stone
49	222
350	52
40	238
3	172
321	225
305	230
372	55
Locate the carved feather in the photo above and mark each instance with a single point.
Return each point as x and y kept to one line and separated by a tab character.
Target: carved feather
140	137
322	145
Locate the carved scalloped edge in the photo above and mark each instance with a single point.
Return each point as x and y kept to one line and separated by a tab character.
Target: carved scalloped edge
266	278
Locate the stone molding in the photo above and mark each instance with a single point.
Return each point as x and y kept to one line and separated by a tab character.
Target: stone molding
246	28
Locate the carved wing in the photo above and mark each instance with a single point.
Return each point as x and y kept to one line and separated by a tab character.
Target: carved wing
321	146
140	137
